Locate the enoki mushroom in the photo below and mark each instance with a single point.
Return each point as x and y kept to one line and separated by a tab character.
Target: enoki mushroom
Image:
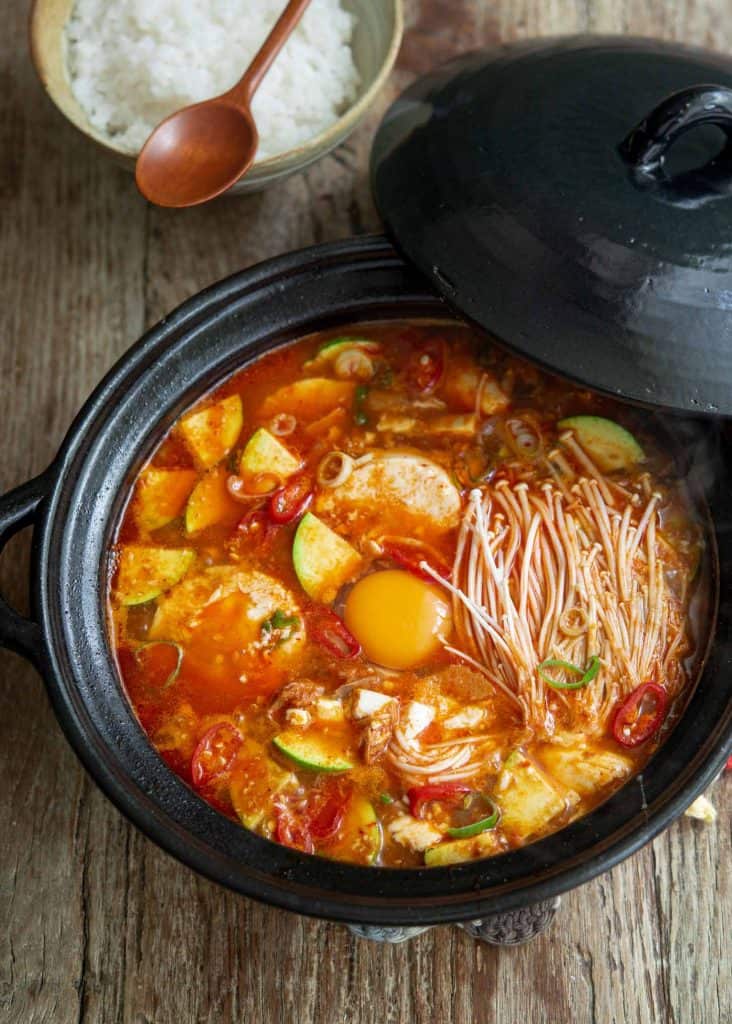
568	574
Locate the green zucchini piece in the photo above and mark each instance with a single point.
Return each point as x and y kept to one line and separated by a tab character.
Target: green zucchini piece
309	399
310	752
160	496
265	454
323	560
146	572
210	503
212	433
529	799
487	844
360	837
608	444
255	780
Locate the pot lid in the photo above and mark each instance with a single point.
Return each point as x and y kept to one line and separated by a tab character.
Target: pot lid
574	197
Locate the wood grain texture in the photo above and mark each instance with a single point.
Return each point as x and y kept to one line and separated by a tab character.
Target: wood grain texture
99	926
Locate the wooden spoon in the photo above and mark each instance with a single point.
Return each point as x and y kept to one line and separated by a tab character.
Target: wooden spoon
202	150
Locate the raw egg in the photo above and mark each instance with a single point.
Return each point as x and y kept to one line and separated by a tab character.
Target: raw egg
397	618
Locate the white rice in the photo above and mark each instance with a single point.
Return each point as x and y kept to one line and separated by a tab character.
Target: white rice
133	62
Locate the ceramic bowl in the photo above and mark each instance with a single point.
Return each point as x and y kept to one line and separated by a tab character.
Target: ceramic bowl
376	39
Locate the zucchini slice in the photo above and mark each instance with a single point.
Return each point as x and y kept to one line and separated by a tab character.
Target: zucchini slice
610	445
360	838
311	752
212	433
160	496
265	454
323	560
255	780
309	399
146	572
211	503
457	850
527	797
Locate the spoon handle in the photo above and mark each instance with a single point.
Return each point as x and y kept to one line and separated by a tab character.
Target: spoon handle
248	84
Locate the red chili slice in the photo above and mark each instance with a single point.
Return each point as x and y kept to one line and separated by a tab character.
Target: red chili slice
330	632
410	560
290	501
292	832
426	366
729	764
257	525
215	753
634	721
327	816
446	792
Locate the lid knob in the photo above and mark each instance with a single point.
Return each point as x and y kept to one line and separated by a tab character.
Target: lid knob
646	147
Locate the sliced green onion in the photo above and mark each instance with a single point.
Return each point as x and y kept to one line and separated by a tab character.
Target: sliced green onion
467	831
164	643
588	674
359	413
279	622
386	798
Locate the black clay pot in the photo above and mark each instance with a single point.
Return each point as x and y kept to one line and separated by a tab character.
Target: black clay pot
75	504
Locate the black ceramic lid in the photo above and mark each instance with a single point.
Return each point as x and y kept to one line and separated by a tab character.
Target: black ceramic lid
574	197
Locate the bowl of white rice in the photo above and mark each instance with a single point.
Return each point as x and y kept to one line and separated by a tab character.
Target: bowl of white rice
116	68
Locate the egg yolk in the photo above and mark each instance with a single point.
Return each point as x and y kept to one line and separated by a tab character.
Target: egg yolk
397	618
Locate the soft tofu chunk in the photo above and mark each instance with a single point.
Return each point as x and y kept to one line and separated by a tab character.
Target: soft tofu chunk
299	718
415	835
369	702
237	600
403	486
416	718
527	798
397	423
328	709
462	385
456	425
468	718
585	769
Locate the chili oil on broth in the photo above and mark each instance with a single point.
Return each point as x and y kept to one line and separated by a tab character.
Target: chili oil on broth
392	596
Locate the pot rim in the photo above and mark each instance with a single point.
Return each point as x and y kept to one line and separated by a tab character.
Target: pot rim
285	878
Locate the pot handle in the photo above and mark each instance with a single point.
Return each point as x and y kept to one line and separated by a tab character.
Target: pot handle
18	509
646	147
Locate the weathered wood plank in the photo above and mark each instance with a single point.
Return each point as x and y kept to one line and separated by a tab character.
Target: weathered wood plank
693	875
100	926
71	236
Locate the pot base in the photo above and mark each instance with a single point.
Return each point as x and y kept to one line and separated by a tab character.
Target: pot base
510	929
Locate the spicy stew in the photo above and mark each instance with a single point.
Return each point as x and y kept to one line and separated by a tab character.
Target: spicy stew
392	596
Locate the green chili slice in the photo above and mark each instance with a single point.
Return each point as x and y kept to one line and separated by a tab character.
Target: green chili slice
467	831
587	674
171	678
386	798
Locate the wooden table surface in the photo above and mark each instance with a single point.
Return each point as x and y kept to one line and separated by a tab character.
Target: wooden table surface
98	925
